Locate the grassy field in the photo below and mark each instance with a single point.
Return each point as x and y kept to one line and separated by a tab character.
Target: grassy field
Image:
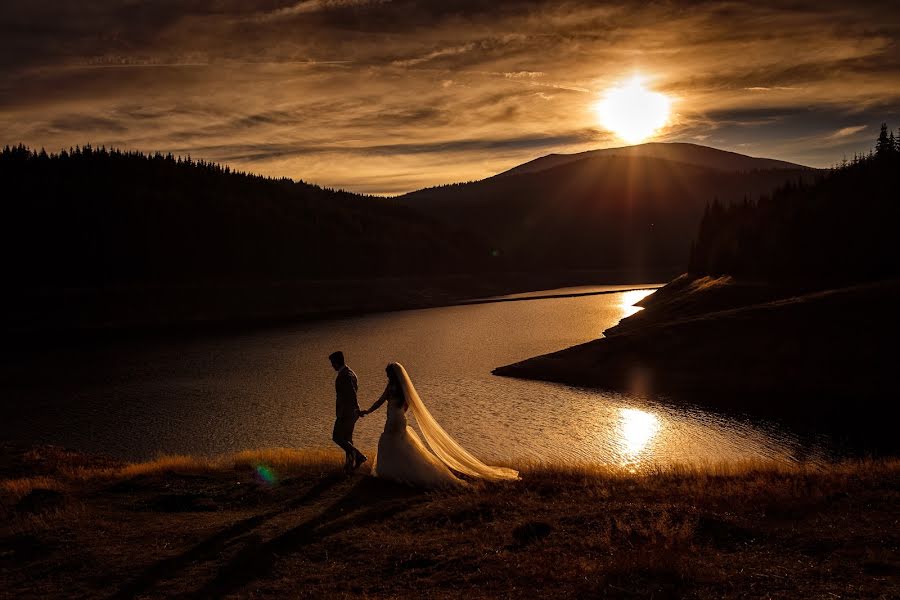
282	523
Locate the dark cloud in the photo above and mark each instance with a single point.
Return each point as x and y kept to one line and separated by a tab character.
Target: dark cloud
261	152
86	122
433	90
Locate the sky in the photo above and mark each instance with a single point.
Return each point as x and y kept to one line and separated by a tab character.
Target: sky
384	97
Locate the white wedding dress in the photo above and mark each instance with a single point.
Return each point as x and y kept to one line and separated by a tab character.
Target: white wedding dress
403	457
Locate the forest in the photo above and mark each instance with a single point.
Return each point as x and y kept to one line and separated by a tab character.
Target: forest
840	229
92	217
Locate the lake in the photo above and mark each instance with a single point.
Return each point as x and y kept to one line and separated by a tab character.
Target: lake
212	394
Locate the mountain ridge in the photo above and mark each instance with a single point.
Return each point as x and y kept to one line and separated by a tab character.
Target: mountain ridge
634	212
683	152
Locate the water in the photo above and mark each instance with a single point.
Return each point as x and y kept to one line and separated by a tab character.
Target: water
140	398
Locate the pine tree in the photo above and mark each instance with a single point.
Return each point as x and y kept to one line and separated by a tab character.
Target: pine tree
883	146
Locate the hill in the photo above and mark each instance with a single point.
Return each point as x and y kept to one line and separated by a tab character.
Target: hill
692	154
788	311
96	238
603	211
841	229
100	217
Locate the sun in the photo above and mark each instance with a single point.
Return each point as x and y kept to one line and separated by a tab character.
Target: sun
633	112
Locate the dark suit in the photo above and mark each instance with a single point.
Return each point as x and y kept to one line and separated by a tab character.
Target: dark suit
346	411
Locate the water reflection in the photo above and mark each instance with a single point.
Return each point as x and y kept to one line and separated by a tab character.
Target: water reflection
636	430
629	298
274	388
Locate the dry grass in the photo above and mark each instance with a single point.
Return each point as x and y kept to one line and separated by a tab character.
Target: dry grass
713	470
63	469
22	486
287	459
707	283
214	527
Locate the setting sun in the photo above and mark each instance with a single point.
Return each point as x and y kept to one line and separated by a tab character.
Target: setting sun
633	112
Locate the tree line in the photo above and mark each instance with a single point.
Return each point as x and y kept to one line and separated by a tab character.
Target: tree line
841	228
94	216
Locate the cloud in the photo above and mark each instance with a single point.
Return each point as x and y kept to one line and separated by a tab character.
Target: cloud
524	75
313	6
770	89
347	92
255	152
844	132
442	52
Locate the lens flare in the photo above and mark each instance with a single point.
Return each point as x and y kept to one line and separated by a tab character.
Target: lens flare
633	112
266	475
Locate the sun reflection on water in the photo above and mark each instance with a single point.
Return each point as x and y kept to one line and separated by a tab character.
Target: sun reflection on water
636	431
629	298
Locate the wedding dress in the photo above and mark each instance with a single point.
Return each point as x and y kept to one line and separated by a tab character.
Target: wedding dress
403	457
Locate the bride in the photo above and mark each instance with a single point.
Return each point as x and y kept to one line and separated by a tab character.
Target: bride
401	454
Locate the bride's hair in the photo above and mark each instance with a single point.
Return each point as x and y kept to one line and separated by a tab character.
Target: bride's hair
393	375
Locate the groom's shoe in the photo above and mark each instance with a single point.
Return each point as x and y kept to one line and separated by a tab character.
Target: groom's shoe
360	459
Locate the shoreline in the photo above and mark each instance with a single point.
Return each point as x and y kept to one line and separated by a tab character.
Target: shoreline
554	296
213	308
801	357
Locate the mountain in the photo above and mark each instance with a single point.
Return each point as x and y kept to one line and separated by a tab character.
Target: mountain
607	210
692	154
788	311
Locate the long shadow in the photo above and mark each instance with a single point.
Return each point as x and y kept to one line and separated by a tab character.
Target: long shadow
210	547
381	499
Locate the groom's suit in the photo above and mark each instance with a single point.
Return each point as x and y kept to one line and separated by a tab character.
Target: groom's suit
346	411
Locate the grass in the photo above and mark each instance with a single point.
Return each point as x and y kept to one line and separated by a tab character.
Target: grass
284	523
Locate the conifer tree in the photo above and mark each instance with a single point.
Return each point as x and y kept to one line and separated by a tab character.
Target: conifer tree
883	145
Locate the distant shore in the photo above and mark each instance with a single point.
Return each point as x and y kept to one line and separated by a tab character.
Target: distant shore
541	296
821	359
283	523
223	305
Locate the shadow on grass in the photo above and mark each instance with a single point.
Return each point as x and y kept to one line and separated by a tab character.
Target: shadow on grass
380	499
211	546
373	499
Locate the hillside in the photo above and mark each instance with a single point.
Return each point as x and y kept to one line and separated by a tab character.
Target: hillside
691	154
840	230
107	239
809	359
788	311
632	212
98	217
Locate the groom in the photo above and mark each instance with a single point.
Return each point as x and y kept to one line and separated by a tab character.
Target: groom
346	411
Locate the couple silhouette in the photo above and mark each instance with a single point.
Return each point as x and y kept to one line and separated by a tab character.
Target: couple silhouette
401	454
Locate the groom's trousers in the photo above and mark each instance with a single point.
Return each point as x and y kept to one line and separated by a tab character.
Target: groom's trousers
343	436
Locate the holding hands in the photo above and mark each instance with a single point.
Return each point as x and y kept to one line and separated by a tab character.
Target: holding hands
384	396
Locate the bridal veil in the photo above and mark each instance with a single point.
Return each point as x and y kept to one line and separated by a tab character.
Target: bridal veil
445	447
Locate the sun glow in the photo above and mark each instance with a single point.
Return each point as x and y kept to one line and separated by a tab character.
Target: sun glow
637	428
633	112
